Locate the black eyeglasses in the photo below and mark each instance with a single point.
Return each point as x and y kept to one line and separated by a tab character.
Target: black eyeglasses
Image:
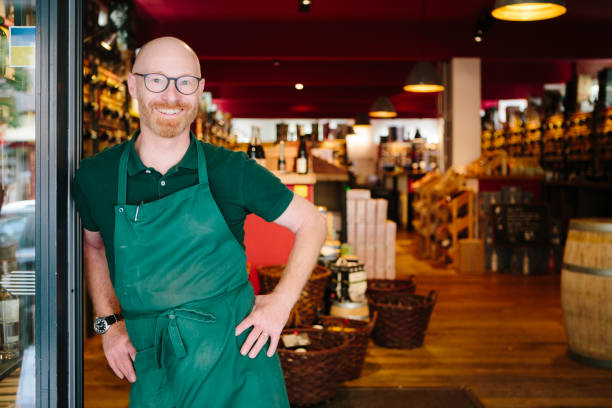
158	83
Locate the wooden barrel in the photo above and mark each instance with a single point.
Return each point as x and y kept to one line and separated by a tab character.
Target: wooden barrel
586	291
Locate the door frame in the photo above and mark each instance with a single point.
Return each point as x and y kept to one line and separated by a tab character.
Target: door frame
59	339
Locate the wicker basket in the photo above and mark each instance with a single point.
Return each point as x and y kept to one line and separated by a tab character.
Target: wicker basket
305	310
402	319
357	333
312	376
383	287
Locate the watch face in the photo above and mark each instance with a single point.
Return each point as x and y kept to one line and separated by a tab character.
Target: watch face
100	326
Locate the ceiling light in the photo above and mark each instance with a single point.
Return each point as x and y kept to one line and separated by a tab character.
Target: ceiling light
108	42
362	121
382	108
299	86
304	5
423	78
528	10
478	35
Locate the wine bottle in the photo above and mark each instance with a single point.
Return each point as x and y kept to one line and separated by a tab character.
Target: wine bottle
282	166
252	149
9	325
301	163
259	153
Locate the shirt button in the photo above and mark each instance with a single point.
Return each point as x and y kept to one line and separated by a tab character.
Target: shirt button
148	171
163	183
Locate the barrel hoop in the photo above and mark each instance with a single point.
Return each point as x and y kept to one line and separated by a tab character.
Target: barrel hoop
607	364
587	225
586	269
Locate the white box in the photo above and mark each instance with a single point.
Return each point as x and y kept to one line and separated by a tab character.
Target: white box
351	233
351	211
380	263
358	194
360	252
361	211
370	262
391	231
381	235
370	238
370	212
381	211
360	239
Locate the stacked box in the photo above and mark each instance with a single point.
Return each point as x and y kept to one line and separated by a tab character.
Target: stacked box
391	232
369	233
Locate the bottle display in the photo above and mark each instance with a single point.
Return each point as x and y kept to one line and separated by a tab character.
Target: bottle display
9	304
301	163
282	166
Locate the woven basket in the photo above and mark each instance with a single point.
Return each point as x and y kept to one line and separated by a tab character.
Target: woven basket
312	377
383	287
402	319
311	299
357	333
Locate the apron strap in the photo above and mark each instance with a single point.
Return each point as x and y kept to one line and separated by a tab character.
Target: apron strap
202	171
122	182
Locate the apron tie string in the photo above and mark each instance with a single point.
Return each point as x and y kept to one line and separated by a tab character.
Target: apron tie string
166	326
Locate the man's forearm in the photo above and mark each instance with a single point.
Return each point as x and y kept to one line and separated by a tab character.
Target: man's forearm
308	240
101	289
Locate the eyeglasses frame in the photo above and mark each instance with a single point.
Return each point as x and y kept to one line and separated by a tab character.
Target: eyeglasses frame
144	80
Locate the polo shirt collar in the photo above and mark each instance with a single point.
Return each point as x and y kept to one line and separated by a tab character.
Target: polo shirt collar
189	160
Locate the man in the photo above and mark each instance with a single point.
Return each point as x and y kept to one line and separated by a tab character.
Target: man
163	218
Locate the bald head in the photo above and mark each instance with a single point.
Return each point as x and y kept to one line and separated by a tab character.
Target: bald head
167	54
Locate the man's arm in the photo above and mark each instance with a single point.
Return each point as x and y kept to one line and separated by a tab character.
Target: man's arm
116	344
271	312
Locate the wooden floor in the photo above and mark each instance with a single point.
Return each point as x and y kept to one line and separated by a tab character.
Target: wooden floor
500	335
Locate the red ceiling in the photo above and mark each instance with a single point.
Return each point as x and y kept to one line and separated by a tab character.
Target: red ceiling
348	52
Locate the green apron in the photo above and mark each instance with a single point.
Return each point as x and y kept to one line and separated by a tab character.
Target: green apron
180	278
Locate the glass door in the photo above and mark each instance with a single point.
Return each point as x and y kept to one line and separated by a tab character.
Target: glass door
17	203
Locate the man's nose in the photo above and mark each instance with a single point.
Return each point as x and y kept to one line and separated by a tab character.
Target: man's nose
171	94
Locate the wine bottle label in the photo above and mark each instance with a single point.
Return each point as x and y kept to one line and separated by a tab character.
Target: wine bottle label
10	311
302	165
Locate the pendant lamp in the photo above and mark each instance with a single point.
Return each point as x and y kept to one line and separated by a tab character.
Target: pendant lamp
362	121
382	108
528	10
423	78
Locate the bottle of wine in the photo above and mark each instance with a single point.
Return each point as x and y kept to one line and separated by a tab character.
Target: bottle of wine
9	325
260	155
301	163
252	149
282	166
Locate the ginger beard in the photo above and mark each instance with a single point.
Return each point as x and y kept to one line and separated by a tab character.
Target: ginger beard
168	126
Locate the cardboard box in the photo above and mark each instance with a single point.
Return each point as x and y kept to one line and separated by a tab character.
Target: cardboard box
361	211
381	211
358	194
471	256
371	212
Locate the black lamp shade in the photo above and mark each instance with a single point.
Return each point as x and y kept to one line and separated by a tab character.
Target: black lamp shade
528	10
423	78
382	108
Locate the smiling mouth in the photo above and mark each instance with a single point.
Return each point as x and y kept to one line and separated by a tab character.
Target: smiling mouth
169	112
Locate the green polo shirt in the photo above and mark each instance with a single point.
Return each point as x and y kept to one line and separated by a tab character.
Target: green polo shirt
238	184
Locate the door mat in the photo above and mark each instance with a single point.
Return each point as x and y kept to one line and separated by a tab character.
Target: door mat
403	398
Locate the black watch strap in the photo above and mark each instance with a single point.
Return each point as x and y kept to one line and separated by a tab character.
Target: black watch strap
114	318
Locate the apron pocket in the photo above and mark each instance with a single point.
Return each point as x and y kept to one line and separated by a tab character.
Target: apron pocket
148	390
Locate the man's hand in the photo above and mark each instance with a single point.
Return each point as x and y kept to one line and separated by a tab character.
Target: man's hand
268	317
119	351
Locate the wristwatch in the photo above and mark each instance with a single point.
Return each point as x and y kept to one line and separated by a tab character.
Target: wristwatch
101	324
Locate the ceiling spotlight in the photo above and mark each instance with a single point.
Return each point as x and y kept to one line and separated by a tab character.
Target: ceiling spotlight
299	86
483	25
108	42
528	10
423	78
383	108
478	35
276	63
304	5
